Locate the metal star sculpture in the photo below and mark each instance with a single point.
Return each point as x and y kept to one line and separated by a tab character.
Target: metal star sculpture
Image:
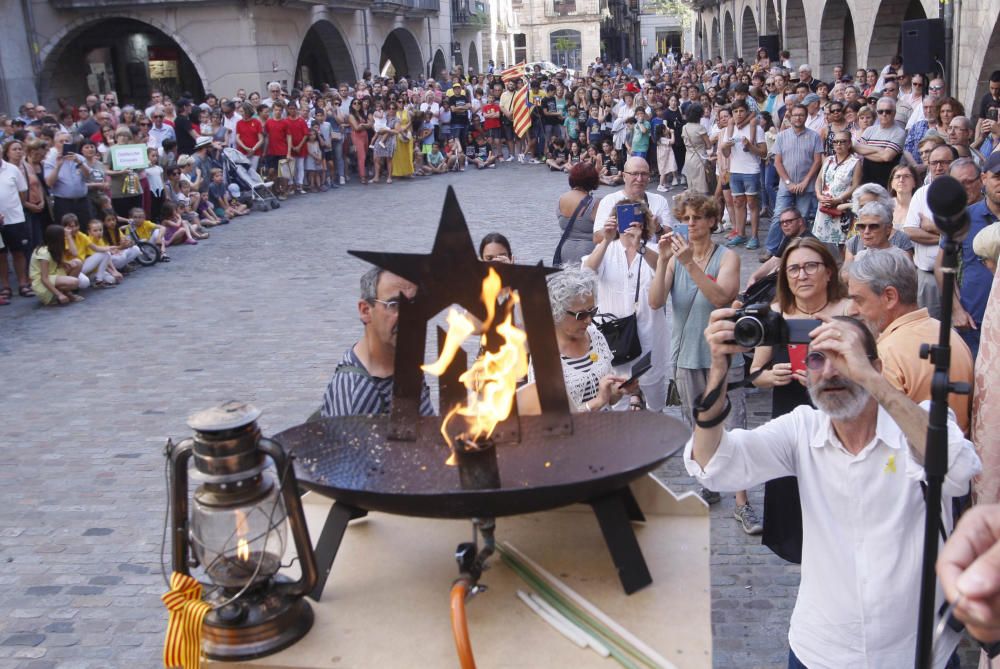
453	274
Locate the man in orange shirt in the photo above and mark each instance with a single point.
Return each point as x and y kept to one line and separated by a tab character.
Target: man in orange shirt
882	286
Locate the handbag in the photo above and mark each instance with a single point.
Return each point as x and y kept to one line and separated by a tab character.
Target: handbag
285	169
622	334
557	256
832	212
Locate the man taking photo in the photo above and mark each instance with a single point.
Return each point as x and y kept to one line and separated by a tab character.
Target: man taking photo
859	459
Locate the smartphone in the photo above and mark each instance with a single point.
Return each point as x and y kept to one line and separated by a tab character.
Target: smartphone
993	113
681	230
68	149
641	366
797	356
629	214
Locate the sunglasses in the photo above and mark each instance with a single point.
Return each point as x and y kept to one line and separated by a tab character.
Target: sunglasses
868	226
583	315
886	112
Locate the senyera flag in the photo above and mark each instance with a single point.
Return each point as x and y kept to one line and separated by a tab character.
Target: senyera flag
513	73
522	112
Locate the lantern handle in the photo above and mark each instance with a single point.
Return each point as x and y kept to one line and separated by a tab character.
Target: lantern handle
296	518
178	455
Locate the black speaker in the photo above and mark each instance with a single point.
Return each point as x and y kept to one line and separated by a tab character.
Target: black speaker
773	45
923	45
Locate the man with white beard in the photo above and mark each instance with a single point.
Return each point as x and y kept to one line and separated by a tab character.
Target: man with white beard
859	460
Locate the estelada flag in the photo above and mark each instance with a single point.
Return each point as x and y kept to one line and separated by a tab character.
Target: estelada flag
513	73
522	112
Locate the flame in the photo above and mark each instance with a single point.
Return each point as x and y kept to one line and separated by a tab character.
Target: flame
243	550
242	547
491	381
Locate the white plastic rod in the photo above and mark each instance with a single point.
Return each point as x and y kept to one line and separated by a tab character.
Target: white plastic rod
598	647
560	627
584	604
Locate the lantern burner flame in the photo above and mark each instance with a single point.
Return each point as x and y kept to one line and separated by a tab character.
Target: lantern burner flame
491	381
243	550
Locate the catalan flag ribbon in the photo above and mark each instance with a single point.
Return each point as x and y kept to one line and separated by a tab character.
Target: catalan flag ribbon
513	73
522	112
182	646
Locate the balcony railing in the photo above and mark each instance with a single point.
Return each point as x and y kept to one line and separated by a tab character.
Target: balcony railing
468	13
412	8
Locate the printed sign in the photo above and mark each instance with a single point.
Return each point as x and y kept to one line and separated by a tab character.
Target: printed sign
129	157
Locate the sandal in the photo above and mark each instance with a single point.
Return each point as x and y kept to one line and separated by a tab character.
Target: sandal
164	257
5	292
4	301
73	297
25	291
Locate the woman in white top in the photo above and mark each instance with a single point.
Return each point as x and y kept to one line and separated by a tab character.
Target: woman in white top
583	351
618	261
430	105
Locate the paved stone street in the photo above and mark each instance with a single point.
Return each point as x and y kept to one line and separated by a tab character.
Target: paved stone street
262	312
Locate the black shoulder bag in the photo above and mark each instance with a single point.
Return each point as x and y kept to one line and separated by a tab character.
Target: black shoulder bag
622	334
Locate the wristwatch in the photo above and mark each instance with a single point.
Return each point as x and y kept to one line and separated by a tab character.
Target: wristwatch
788	182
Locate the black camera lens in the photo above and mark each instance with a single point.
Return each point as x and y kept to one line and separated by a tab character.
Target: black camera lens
748	332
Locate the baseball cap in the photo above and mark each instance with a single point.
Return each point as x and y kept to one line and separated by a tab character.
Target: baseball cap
992	163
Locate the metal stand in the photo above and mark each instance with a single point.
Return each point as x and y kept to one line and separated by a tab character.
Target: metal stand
329	542
615	513
936	453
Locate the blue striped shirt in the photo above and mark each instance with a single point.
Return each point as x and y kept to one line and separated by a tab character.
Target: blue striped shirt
354	392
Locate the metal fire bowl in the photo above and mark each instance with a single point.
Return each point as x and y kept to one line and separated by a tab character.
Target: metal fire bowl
351	460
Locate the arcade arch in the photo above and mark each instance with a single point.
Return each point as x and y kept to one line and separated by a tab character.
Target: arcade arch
400	54
748	36
324	57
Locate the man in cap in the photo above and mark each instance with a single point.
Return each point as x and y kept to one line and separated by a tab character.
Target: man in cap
458	100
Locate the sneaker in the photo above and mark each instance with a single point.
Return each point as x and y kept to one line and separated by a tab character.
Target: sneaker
674	184
710	496
738	240
535	161
748	519
662	188
342	181
509	158
753	244
492	166
730	235
520	157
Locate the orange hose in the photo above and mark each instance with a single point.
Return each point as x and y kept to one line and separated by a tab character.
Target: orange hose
459	625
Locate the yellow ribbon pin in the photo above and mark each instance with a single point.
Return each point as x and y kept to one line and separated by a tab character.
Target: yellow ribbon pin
890	465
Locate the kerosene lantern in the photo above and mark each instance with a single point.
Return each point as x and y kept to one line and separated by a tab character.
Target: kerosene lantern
234	531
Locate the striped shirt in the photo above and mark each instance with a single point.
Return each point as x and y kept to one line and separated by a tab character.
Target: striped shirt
354	392
798	151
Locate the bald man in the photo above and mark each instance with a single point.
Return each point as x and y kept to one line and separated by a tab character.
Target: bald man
636	175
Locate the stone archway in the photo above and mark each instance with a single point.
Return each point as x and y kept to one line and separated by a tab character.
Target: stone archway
439	67
886	40
748	36
324	57
473	58
796	37
716	38
401	51
100	54
729	38
837	45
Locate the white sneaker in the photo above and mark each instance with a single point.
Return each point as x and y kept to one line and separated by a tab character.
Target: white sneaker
342	181
520	157
675	182
509	158
662	188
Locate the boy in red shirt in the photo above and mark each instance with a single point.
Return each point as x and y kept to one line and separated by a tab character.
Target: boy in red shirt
277	147
491	124
298	132
249	136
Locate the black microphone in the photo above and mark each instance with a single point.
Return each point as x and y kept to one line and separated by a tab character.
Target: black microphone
946	199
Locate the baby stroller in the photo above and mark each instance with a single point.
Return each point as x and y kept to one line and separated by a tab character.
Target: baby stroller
238	171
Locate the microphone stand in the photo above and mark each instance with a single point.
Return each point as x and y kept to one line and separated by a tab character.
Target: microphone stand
936	452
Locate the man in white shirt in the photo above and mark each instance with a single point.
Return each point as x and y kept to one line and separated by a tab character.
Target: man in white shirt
636	175
14	230
919	227
859	459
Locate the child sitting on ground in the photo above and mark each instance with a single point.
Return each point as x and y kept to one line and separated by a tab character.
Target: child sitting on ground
456	155
53	275
182	208
218	194
125	251
147	231
79	247
111	276
175	229
435	161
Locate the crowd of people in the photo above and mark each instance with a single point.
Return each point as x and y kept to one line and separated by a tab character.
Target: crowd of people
837	170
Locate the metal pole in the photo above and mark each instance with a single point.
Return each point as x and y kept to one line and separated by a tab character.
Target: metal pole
946	10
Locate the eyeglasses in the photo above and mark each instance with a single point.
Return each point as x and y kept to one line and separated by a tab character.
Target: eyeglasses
392	306
156	116
783	221
861	227
144	123
815	361
939	163
583	315
638	175
809	268
886	112
841	141
917	83
835	110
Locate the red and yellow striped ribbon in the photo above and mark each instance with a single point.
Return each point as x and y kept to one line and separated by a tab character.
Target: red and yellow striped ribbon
182	646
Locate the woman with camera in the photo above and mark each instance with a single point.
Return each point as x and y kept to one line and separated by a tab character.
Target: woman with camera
618	261
808	287
700	276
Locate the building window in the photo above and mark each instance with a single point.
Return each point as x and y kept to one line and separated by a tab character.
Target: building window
566	48
520	48
668	41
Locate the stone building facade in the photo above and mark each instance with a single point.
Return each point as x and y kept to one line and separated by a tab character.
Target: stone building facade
565	32
852	33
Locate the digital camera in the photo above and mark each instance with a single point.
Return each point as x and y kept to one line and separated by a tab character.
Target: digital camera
760	325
